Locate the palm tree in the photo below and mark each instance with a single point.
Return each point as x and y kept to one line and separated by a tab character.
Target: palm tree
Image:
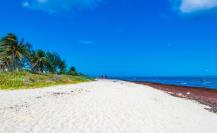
25	63
4	58
55	63
4	63
15	55
53	60
39	61
62	67
12	51
72	71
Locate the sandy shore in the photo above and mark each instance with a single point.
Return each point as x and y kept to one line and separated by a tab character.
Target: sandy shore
103	106
204	96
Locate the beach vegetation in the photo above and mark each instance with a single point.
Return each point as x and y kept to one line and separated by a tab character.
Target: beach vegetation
23	67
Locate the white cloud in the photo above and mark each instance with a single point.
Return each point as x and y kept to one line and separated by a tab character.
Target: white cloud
197	5
56	6
189	6
25	4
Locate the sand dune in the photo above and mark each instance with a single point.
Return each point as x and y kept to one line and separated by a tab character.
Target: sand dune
102	106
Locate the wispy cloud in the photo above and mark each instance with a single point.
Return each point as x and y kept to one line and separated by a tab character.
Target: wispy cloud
191	6
85	42
25	4
57	6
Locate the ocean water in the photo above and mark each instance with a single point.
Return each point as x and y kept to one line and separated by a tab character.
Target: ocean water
207	82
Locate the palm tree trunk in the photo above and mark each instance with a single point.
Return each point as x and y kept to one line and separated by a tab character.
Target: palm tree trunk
13	61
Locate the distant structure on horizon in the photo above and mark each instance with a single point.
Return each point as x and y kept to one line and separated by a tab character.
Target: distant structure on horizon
103	77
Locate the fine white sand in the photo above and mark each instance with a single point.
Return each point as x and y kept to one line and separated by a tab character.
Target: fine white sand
103	106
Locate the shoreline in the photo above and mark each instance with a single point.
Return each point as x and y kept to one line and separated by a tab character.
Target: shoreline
202	95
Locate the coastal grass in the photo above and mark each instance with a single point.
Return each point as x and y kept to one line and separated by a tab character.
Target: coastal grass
27	80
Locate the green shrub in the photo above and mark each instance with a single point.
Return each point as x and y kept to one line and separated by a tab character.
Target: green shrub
18	80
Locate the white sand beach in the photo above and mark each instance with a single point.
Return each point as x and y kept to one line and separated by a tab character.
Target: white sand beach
102	106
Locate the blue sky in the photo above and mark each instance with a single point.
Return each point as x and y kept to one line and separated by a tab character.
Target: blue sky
120	37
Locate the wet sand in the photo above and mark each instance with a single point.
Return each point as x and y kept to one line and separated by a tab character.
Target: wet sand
202	95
